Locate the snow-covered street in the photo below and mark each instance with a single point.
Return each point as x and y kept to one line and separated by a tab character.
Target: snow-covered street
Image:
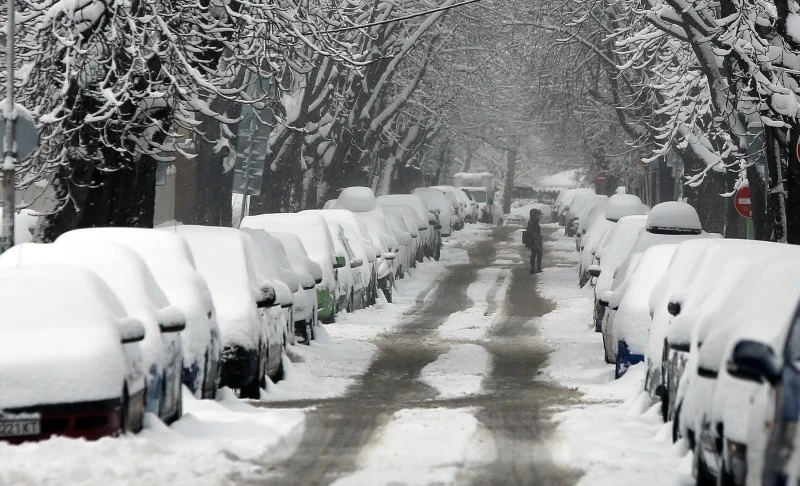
479	373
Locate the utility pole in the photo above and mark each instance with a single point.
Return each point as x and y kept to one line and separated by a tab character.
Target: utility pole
9	149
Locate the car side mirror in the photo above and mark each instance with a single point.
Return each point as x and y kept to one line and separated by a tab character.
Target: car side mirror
414	236
340	262
594	270
131	330
356	263
307	282
318	281
754	361
389	255
171	319
268	297
674	308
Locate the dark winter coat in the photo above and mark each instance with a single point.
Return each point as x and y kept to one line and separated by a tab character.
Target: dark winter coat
534	234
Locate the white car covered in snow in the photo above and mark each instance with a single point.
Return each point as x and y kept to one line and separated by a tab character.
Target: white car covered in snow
142	298
252	341
438	203
426	220
169	259
313	232
310	274
69	365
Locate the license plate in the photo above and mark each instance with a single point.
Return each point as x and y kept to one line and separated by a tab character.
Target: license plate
19	427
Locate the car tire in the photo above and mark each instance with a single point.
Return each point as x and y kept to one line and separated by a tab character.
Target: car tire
124	412
605	354
388	294
702	476
308	333
252	390
676	421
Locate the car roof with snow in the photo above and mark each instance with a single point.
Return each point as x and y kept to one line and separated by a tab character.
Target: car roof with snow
621	205
357	199
673	217
411	200
296	253
310	228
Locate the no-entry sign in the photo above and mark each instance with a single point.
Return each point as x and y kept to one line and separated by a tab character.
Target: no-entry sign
601	178
742	202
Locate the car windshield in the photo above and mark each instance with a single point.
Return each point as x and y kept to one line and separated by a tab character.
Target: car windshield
477	195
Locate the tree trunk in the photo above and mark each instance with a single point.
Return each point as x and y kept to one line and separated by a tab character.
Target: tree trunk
508	186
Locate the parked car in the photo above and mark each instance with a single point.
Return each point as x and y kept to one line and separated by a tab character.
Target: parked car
142	299
313	232
425	219
631	323
286	282
408	236
310	274
361	201
70	366
252	343
452	195
471	209
169	259
580	204
438	203
483	199
564	201
374	267
608	258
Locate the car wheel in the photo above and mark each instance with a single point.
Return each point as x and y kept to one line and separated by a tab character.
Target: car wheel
605	351
252	390
308	333
701	474
676	421
124	412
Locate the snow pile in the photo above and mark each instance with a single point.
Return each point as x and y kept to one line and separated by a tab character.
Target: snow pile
214	441
458	372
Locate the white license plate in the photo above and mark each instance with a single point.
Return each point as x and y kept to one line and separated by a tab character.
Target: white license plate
19	427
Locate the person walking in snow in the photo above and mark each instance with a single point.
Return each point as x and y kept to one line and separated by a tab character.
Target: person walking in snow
534	241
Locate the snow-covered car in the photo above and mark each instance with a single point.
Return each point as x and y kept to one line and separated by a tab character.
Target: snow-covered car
425	219
286	282
687	305
361	201
632	319
713	406
618	246
482	198
452	195
728	417
313	232
681	267
142	299
363	245
354	277
769	362
72	367
564	201
407	219
252	343
438	203
514	219
399	220
471	210
524	212
310	273
581	204
169	259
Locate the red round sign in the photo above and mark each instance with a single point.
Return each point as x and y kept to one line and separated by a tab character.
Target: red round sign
601	178
742	202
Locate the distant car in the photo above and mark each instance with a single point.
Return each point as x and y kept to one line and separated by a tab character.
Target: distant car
452	195
313	232
580	204
70	365
310	276
514	219
437	202
252	343
482	199
564	200
425	219
361	201
170	260
470	207
141	297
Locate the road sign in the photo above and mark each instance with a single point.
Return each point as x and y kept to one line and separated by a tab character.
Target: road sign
25	134
601	178
797	149
742	202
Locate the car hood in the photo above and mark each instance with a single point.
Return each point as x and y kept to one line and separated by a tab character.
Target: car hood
52	366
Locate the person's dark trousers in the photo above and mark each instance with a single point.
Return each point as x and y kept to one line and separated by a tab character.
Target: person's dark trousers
536	261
